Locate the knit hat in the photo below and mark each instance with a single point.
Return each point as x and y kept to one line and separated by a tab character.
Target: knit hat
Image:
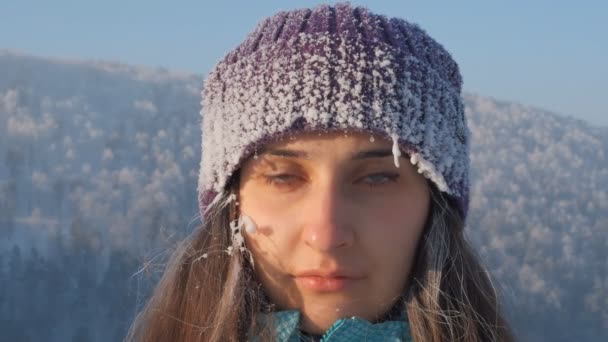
336	68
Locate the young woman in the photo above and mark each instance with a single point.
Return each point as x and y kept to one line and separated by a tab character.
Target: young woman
333	190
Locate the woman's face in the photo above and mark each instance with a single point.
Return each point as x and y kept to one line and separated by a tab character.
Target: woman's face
337	224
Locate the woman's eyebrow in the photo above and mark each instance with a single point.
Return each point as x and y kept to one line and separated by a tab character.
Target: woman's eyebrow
383	153
284	153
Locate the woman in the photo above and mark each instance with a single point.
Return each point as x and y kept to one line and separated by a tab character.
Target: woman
333	189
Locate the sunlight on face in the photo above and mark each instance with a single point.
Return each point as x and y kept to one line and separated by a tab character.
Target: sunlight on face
337	224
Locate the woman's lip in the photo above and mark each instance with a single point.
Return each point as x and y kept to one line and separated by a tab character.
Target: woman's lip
327	274
322	283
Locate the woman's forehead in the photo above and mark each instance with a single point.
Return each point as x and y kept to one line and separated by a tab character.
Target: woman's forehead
333	139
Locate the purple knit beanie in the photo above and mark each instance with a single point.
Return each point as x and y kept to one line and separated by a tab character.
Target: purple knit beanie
336	68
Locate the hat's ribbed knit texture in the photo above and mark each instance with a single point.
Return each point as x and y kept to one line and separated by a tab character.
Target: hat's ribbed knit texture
336	68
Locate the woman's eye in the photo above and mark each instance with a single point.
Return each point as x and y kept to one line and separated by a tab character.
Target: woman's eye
280	179
376	179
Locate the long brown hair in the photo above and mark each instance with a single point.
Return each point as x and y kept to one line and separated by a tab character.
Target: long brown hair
207	294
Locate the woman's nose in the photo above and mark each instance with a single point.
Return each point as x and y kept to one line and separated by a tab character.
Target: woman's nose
327	223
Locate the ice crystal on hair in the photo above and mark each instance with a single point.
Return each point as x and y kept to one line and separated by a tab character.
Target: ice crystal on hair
247	223
231	197
237	226
396	151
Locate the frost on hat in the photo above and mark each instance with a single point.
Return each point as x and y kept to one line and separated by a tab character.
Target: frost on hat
336	68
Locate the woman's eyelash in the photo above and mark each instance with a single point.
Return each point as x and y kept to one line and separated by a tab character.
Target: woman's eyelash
284	178
279	179
390	177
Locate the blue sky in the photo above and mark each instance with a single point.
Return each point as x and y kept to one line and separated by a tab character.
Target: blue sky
550	54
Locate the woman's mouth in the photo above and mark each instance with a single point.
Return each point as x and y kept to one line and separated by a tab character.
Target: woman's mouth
326	281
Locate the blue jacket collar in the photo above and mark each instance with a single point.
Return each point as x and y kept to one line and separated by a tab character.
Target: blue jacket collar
287	323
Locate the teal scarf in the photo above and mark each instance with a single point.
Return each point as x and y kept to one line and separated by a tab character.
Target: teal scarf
345	329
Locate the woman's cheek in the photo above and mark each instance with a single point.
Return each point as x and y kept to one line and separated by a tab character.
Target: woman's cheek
272	238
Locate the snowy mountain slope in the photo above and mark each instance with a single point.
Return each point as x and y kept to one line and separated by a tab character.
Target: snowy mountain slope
539	214
103	140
